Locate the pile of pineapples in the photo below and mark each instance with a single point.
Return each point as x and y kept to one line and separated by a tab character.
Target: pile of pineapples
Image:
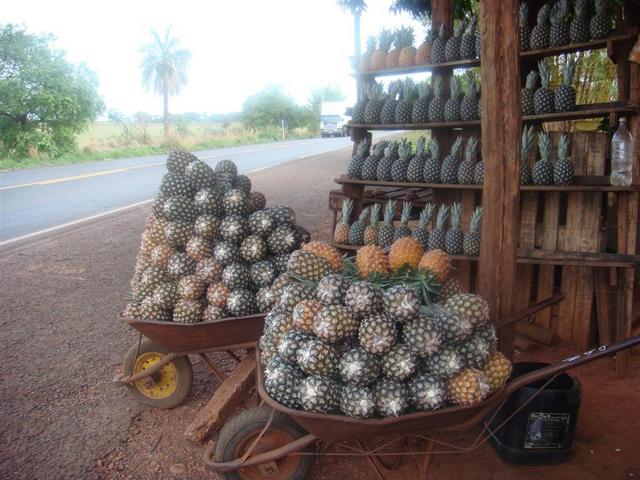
406	102
210	249
364	339
543	100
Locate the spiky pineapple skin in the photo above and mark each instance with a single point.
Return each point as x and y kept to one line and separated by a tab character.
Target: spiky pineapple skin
527	101
542	173
544	101
563	172
565	99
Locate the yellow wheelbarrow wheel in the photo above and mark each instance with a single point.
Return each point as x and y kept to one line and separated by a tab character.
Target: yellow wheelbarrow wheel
166	388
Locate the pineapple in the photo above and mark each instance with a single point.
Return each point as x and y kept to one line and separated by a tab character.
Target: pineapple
253	248
422	335
377	333
436	106
473	306
559	31
542	173
226	167
291	342
166	294
527	143
236	202
341	234
405	42
600	24
388	113
454	326
449	288
399	167
329	253
478	44
544	99
263	273
475	350
391	396
427	392
383	171
179	265
261	223
404	107
308	266
401	303
439	45
209	270
454	236
178	160
356	231
179	208
437	235
405	251
466	170
292	294
226	253
357	401
378	58
318	394
187	311
200	175
445	363
209	201
365	58
450	164
160	255
469	387
540	32
191	287
527	94
468	40
525	29
432	164
357	115
362	298
563	168
386	230
304	313
375	103
452	105
579	28
471	243
358	366
399	362
371	232
391	61
207	226
469	108
498	370
438	262
565	95
234	228
217	294
423	54
370	165
282	381
236	276
421	233
452	47
420	112
478	174
257	201
403	229
415	168
371	260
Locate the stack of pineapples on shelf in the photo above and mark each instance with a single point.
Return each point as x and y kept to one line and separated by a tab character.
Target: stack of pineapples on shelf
210	249
379	335
544	100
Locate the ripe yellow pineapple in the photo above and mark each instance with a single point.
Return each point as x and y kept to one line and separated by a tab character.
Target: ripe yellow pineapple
497	369
394	54
405	251
326	251
341	234
469	387
304	313
371	259
438	262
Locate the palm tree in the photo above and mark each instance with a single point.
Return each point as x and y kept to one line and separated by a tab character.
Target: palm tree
164	67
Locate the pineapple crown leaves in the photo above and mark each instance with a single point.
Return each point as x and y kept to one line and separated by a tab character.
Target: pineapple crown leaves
455	87
394	88
404	151
406	213
442	31
456	213
527	141
363	149
426	214
580	8
569	72
438	86
524	14
544	146
559	12
432	34
532	80
371	43
543	14
563	147
347	206
601	6
420	146
375	91
375	214
476	216
441	219
391	149
389	211
471	26
470	84
408	88
545	73
404	37
434	149
385	39
379	148
424	89
470	149
457	146
459	28
363	215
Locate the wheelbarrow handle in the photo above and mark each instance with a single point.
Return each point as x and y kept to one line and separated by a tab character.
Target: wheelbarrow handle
571	362
531	310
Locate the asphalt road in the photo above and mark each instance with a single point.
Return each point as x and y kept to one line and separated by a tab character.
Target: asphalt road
39	199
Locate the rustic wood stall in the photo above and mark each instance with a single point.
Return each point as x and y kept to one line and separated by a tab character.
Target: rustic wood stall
580	239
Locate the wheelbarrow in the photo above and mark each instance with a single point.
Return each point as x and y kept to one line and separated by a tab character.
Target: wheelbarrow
274	441
157	370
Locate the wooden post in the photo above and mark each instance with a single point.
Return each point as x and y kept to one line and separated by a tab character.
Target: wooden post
501	124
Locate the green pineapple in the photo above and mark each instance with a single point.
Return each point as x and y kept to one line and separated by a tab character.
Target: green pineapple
331	291
392	397
370	164
471	243
356	231
318	394
437	235
341	233
403	229
445	363
420	112
452	105
377	333
421	233
422	335
466	170
188	311
525	29
439	46
383	169
527	143
600	24
427	392
563	168
475	351
363	298
399	167
404	108
432	165
454	236
354	168
452	47
416	164
544	98
335	322
527	94
399	362
565	95
371	232
307	265
559	31
358	366
385	232
437	104
365	59
540	32
450	164
357	115
357	401
375	103
542	173
178	160
235	276
388	113
579	28
468	40
401	303
282	381
470	103
454	326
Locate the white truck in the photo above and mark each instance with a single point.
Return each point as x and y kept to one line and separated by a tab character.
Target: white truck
334	119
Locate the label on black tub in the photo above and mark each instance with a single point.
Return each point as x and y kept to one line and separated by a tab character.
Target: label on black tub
547	430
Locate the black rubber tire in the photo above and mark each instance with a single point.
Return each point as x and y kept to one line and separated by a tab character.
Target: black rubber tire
251	421
184	373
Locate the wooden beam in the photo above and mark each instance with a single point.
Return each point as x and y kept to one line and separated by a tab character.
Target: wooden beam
501	125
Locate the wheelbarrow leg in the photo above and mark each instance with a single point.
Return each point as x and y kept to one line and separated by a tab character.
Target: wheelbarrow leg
424	466
372	461
218	374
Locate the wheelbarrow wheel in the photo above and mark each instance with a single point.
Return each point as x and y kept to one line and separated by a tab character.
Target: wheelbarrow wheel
240	432
166	388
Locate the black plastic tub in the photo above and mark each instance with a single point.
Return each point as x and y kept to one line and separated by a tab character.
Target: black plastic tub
542	432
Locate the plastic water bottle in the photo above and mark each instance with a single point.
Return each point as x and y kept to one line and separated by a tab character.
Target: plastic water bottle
621	148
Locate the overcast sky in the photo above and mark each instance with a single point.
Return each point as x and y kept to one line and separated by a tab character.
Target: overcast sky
237	47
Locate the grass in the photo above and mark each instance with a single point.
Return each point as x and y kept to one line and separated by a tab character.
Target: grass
106	140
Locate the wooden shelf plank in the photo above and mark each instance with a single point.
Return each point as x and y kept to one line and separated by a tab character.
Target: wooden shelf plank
420	68
545	257
595	110
375	183
577	47
416	126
